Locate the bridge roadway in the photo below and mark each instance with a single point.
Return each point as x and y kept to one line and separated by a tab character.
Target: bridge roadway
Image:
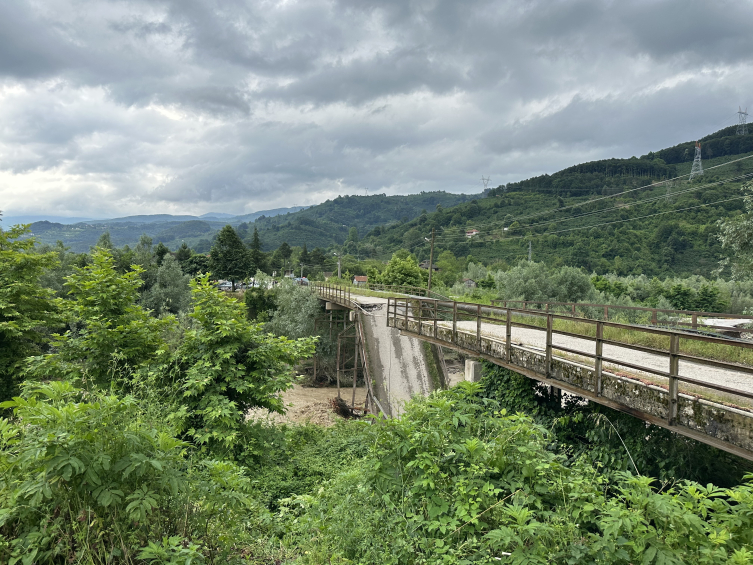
632	380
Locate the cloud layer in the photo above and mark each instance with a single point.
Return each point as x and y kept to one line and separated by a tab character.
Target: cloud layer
188	106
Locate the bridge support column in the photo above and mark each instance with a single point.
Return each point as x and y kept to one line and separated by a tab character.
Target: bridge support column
472	371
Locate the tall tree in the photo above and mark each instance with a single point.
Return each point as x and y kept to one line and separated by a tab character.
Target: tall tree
258	257
736	234
304	258
229	258
25	307
183	254
159	252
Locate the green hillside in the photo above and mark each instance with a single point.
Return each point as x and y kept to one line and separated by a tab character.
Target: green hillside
605	216
322	225
330	222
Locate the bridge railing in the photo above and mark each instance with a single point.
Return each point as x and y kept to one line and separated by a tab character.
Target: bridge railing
455	322
692	319
405	289
335	293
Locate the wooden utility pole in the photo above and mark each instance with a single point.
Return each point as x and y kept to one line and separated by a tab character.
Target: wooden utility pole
431	258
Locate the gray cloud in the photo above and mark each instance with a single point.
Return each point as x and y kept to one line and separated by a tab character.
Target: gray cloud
140	106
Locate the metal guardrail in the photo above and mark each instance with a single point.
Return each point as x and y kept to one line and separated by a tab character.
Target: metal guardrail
428	313
601	311
335	293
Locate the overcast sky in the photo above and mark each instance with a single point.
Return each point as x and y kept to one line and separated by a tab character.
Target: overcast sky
190	106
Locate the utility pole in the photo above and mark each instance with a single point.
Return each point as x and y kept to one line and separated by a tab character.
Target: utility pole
697	169
742	126
529	251
431	258
339	272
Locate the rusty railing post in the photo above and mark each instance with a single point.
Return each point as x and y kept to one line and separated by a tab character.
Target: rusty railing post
454	321
478	327
508	337
674	370
436	315
599	356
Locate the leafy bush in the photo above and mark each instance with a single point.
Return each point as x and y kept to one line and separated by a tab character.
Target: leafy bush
226	366
455	480
110	333
84	477
25	307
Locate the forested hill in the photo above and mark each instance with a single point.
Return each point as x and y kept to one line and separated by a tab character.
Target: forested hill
330	222
317	226
613	215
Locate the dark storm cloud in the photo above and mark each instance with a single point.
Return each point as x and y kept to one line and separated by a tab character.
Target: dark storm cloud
190	105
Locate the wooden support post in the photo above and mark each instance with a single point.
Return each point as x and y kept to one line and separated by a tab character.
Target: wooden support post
695	321
420	315
606	313
508	337
478	327
454	321
549	323
337	372
653	317
406	315
599	356
573	310
674	371
330	325
355	372
314	366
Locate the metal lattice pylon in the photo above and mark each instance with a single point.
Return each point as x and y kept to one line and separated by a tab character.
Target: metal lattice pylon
697	169
742	125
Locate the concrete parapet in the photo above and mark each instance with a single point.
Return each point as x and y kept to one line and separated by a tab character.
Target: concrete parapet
717	424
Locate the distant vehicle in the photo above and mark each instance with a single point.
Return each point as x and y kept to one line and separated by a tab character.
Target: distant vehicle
303	281
225	286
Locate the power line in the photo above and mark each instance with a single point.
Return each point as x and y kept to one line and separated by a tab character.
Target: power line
697	169
450	238
593	200
742	126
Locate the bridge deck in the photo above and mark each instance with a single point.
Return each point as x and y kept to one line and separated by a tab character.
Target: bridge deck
703	390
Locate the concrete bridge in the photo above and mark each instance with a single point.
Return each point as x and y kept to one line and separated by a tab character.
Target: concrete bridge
683	381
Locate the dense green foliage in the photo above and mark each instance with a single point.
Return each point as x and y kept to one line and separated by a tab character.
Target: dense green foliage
25	306
226	366
92	478
229	258
110	334
629	228
458	480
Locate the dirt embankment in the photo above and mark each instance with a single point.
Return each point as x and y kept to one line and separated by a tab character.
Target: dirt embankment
310	404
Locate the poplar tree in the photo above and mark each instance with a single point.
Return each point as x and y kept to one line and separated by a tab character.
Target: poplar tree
229	258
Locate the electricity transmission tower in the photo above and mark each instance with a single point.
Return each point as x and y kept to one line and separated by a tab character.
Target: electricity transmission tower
485	181
742	125
697	169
